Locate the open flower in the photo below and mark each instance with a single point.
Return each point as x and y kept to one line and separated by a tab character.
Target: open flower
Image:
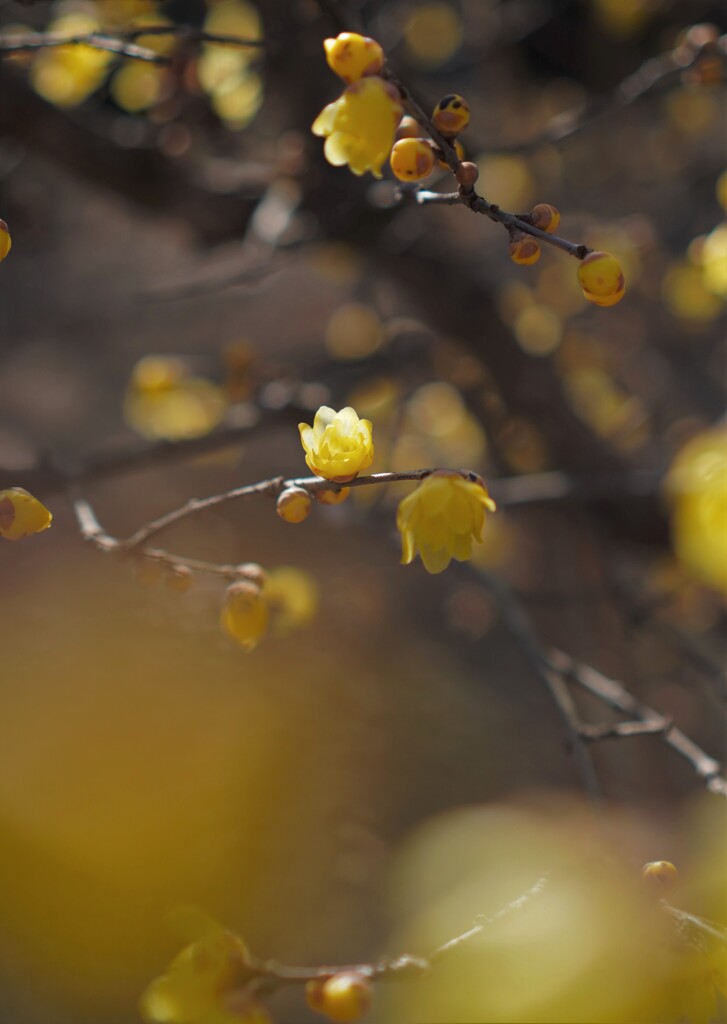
439	520
359	126
21	514
338	445
194	988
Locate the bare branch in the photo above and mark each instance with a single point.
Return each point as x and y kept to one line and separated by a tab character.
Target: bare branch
617	696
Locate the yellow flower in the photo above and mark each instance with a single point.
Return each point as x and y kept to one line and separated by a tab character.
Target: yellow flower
245	614
352	56
697	484
194	987
439	520
338	445
21	514
359	126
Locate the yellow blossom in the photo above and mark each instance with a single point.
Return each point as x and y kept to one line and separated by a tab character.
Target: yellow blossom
359	126
194	988
439	520
338	445
245	614
352	56
21	514
697	485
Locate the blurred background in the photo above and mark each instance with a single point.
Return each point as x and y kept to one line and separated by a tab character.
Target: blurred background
186	212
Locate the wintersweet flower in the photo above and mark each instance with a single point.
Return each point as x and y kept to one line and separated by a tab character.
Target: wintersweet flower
338	445
359	126
440	519
21	514
194	987
353	56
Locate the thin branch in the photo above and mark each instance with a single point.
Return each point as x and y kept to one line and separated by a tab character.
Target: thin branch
617	696
28	42
522	630
122	44
468	196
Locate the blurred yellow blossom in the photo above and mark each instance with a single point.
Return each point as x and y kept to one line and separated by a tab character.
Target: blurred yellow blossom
21	515
697	485
359	126
440	519
164	401
245	614
338	445
67	75
193	989
292	594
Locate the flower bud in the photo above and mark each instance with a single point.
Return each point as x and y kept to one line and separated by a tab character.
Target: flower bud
351	56
333	497
524	249
343	997
409	128
5	240
451	115
660	875
601	278
467	174
412	159
294	504
545	217
21	515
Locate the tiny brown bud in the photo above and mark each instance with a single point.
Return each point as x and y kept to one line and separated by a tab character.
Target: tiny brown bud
467	174
252	572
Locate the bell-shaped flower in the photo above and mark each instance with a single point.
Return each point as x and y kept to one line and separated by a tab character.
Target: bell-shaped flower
338	445
359	126
440	519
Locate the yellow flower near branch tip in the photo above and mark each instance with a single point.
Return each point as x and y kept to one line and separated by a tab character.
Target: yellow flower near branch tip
359	126
194	986
352	56
21	515
338	445
440	519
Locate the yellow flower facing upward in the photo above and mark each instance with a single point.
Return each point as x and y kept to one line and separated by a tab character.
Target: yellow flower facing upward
440	519
21	515
338	445
359	126
194	987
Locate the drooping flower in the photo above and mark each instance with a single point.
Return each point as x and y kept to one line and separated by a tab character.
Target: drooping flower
359	126
194	987
245	614
440	519
338	445
21	515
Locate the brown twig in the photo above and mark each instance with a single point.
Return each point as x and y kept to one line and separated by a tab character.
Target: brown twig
615	694
122	44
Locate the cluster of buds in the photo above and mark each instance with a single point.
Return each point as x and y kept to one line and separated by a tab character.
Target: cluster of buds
525	249
414	158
